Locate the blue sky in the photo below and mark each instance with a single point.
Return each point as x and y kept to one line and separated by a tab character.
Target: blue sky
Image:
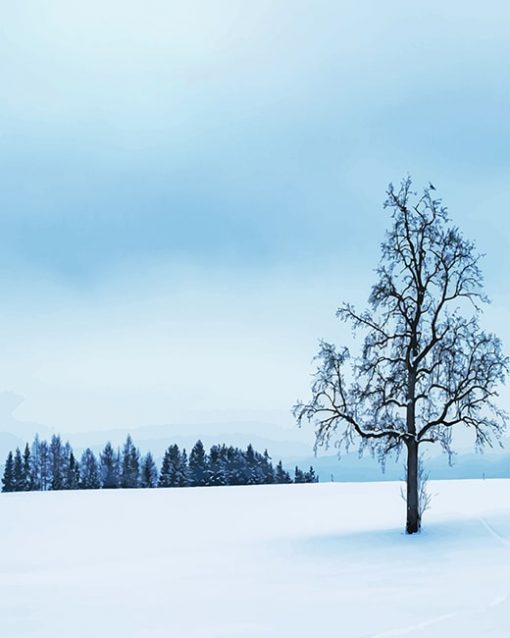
188	192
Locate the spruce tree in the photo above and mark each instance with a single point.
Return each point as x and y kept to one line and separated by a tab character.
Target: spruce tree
149	472
19	483
109	464
44	466
217	472
35	464
253	466
198	465
238	470
165	473
72	480
27	474
56	465
267	468
8	478
182	474
89	471
281	475
310	476
299	476
130	471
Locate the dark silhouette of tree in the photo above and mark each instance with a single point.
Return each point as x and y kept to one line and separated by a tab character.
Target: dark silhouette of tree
72	479
281	475
27	475
182	477
56	463
217	473
299	475
19	482
89	471
8	478
109	463
44	466
425	364
198	463
130	468
149	472
267	468
310	476
35	464
238	470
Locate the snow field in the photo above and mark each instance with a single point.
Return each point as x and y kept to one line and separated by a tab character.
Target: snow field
265	561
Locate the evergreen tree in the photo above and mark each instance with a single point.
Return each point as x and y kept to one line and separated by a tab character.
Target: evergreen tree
35	464
310	476
299	476
44	466
8	478
149	472
130	471
27	475
66	460
217	471
165	473
174	468
267	468
198	465
281	475
89	471
110	470
238	470
19	483
72	478
255	474
56	465
182	475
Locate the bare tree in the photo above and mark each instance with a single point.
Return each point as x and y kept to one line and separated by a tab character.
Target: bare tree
425	365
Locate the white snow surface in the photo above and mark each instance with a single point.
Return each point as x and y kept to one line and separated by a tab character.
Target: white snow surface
266	561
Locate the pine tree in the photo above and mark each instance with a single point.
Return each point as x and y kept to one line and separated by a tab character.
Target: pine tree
35	464
149	472
217	472
44	466
72	480
8	478
165	473
253	466
110	471
19	483
89	471
267	468
198	465
299	476
281	475
237	466
130	472
182	475
310	476
27	476
65	462
56	469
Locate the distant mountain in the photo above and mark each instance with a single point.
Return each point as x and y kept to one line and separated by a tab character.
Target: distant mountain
279	442
351	468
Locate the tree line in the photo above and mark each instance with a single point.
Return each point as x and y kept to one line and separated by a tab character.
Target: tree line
52	465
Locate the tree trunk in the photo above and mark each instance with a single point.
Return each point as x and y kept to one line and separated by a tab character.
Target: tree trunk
413	506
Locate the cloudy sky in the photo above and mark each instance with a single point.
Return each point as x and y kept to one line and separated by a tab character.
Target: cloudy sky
190	189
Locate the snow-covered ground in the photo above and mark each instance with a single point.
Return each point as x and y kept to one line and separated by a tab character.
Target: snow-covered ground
269	561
